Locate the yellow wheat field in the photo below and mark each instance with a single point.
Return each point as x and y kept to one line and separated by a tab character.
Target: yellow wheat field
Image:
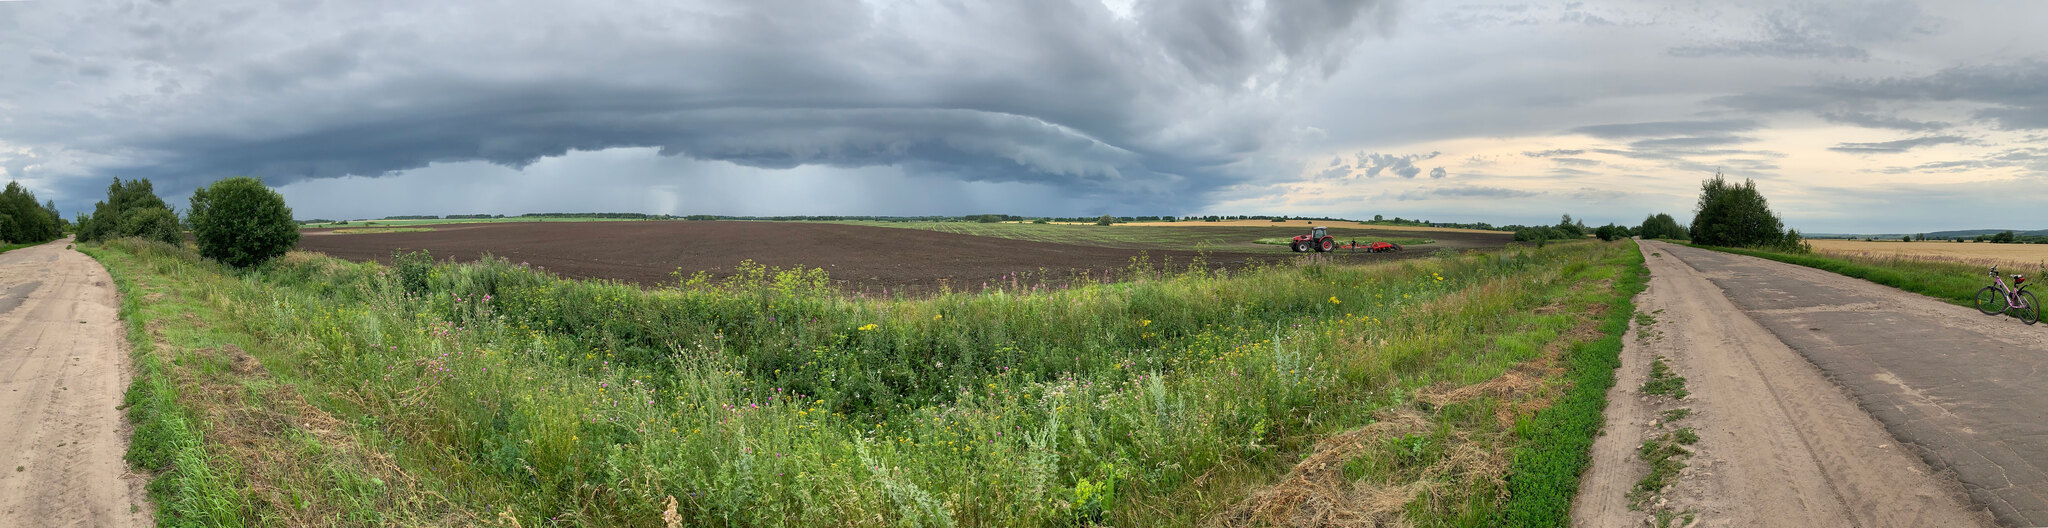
2016	256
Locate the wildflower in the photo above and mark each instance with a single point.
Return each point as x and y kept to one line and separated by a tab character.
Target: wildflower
1144	322
936	317
867	327
1333	300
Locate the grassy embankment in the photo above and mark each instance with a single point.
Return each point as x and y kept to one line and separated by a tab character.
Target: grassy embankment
1188	238
11	247
315	391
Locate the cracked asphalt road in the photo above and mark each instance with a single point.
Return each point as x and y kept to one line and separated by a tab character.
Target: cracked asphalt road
1968	391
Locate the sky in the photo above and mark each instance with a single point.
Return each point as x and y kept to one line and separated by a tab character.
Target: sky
1851	117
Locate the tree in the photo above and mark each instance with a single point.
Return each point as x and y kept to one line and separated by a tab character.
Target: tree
241	223
154	223
124	199
1734	216
27	221
1378	218
1105	220
1610	232
1661	225
1570	229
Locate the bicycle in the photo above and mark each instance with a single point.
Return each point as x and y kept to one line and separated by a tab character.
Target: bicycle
1999	298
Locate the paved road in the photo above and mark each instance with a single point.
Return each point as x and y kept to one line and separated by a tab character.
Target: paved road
1968	391
63	367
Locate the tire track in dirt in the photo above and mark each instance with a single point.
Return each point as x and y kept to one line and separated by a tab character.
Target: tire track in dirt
1960	389
63	368
1779	444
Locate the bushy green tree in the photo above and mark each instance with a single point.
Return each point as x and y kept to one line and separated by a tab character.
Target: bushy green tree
1734	216
114	218
241	223
27	221
1105	220
1661	225
1611	232
1570	228
155	223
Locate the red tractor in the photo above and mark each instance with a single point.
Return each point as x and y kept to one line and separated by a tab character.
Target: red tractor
1318	239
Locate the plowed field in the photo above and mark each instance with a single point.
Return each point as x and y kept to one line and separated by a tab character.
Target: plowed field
859	258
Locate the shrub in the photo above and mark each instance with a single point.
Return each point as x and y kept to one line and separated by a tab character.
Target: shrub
1661	225
1105	220
241	223
1735	216
1611	232
155	223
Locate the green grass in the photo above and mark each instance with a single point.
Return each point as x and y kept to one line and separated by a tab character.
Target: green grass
1674	415
11	247
190	488
1557	443
1666	459
1955	283
374	230
459	393
1663	383
1184	238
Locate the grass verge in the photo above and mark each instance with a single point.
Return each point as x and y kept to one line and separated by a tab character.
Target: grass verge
319	391
190	486
375	230
1558	442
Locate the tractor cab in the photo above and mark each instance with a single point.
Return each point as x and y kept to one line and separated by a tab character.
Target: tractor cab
1318	232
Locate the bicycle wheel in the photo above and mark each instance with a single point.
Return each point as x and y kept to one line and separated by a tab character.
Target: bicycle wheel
2032	311
1991	301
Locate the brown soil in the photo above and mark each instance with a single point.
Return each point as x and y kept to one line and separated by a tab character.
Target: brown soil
63	367
859	258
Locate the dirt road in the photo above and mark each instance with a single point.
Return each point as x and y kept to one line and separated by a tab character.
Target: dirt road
1779	444
63	367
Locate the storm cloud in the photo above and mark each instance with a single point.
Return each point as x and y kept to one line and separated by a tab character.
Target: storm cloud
1157	103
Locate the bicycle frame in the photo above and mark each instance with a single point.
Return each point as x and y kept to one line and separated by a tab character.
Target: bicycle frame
2012	295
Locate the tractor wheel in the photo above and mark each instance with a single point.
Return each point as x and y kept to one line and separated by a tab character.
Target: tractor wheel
1326	245
1299	246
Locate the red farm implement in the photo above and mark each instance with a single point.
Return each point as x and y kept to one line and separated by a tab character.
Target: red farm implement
1319	240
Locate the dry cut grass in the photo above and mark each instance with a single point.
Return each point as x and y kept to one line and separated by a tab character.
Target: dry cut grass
2029	256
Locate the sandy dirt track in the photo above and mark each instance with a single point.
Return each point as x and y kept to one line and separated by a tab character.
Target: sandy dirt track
63	367
1780	445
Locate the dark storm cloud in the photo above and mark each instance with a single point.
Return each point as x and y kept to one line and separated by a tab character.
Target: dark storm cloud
1062	93
2012	92
1820	31
1894	147
1667	128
